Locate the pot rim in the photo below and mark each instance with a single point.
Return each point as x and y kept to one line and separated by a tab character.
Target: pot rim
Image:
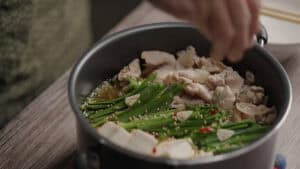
212	159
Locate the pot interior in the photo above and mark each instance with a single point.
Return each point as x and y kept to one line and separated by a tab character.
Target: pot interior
114	52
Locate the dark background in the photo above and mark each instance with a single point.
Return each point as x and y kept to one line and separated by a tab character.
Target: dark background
107	13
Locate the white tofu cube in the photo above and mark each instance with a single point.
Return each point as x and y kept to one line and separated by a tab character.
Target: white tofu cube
114	133
108	129
121	137
141	142
176	149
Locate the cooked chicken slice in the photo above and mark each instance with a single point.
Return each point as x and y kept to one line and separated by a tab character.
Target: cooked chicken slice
178	106
141	142
252	110
233	80
179	102
199	90
259	113
133	70
174	77
155	58
186	58
216	80
224	97
249	77
175	149
210	65
114	133
163	72
251	94
196	75
236	115
268	118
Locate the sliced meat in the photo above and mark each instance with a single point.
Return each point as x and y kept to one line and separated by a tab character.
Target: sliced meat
216	80
133	70
224	97
179	102
252	110
186	58
251	94
260	113
199	90
227	77
210	65
236	115
174	77
155	58
175	149
233	80
178	106
268	118
196	75
163	72
249	77
141	142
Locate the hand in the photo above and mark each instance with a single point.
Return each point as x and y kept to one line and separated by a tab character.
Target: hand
229	24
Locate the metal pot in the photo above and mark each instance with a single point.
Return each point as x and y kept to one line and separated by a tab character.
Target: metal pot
113	52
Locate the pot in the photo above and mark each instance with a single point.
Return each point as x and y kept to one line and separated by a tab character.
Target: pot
115	51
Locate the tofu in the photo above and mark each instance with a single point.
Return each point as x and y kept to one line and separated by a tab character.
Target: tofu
108	129
175	149
114	133
141	142
121	137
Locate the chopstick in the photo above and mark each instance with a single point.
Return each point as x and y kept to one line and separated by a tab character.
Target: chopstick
281	14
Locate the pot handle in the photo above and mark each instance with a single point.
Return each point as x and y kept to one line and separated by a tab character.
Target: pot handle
262	36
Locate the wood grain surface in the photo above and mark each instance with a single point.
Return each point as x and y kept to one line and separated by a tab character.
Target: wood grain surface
43	135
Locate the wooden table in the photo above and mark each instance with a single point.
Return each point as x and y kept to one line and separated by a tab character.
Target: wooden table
43	135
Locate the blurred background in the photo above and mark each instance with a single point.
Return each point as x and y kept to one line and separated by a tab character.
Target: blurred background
39	41
107	13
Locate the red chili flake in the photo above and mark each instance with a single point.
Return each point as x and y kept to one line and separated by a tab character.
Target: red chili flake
153	150
213	112
205	130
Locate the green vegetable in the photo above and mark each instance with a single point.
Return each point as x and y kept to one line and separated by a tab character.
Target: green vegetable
155	101
152	113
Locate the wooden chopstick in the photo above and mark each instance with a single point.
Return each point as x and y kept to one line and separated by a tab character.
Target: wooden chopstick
281	14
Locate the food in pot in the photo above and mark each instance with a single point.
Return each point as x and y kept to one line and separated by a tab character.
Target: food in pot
179	107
